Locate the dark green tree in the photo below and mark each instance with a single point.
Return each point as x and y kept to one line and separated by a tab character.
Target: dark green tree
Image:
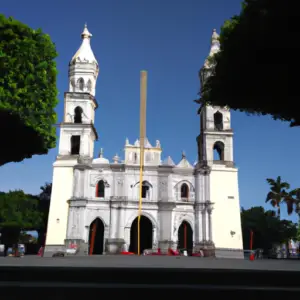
254	70
28	93
18	212
267	228
43	206
298	232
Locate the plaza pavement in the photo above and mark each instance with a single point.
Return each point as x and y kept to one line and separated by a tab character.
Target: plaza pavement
151	262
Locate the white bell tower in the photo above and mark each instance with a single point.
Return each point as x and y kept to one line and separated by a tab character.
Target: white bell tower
77	132
217	206
77	137
216	133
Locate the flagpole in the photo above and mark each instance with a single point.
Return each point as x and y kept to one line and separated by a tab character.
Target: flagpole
143	99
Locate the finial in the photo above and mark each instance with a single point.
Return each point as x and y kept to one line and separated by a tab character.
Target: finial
126	142
215	37
214	48
116	158
101	153
86	34
183	155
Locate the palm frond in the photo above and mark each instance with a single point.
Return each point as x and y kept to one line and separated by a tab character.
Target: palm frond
290	206
270	196
271	181
285	185
295	193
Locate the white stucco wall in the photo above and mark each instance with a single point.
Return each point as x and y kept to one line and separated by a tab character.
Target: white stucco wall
88	109
226	213
62	186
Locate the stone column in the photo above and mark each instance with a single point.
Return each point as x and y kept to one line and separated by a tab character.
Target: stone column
113	220
209	212
115	242
121	223
198	223
70	229
166	226
204	227
76	185
209	247
202	195
154	239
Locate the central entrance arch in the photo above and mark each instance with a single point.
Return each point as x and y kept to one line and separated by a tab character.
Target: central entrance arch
96	237
185	237
146	235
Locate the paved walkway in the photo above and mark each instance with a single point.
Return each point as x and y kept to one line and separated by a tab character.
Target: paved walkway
151	262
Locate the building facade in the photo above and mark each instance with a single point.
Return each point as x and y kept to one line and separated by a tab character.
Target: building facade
94	201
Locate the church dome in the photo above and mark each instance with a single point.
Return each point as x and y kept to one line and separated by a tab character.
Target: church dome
85	53
101	160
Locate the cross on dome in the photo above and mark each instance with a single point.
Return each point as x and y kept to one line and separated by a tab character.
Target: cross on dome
101	153
86	34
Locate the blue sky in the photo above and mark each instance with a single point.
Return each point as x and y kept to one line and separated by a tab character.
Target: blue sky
170	39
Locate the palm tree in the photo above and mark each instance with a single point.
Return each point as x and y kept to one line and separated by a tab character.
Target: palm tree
278	193
292	201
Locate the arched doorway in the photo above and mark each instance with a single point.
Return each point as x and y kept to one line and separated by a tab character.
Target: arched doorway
96	237
185	237
146	235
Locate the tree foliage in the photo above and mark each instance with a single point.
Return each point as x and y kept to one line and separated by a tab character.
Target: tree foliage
280	193
44	205
18	212
28	93
253	70
267	228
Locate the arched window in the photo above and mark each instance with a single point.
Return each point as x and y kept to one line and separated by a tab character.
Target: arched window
100	189
89	85
219	151
218	121
80	83
78	114
146	187
145	191
184	191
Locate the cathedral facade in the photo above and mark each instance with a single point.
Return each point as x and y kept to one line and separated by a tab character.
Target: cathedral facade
94	201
